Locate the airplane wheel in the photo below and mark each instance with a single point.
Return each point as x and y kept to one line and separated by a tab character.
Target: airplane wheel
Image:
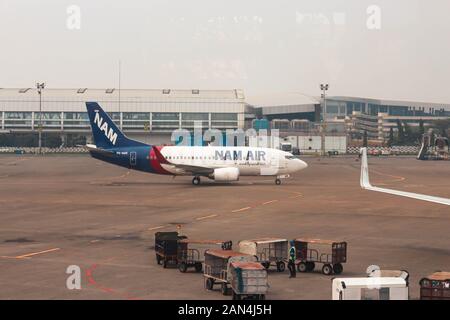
277	182
196	181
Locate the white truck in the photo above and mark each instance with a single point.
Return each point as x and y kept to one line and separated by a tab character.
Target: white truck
370	288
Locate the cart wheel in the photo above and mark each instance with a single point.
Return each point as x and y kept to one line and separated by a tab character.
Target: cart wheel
158	259
198	267
338	268
327	269
209	283
280	266
277	182
302	267
266	265
182	267
224	289
310	266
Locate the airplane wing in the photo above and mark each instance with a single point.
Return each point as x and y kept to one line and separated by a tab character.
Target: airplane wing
195	170
365	184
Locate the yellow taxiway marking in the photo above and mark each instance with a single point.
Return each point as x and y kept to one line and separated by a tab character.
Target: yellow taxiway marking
241	209
36	253
397	178
156	228
269	202
206	217
298	195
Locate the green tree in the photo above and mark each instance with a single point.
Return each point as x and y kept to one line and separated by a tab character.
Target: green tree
400	132
442	126
408	134
421	128
391	137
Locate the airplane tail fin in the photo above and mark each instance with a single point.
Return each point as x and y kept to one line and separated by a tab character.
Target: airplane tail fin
105	132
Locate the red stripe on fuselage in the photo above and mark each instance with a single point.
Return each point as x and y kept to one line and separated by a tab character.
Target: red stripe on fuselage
155	164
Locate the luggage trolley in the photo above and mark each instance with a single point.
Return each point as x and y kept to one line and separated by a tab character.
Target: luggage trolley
217	264
191	252
332	254
166	247
435	287
269	251
248	280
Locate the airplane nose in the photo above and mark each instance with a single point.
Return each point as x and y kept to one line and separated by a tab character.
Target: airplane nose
303	164
300	165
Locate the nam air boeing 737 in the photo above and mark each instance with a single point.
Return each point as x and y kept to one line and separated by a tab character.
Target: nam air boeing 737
217	163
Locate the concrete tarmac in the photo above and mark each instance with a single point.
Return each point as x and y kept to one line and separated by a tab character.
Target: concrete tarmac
58	211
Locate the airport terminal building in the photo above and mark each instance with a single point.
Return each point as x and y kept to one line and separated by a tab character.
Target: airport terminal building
150	115
147	115
352	115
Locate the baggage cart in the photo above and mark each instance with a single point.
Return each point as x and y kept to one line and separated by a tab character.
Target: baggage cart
435	287
191	252
269	251
216	266
331	254
166	247
248	280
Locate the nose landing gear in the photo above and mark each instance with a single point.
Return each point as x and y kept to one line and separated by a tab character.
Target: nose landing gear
196	181
278	178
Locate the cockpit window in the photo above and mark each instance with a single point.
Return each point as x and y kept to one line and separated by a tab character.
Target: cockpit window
289	157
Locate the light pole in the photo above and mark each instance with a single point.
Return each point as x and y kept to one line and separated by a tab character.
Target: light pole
324	88
40	87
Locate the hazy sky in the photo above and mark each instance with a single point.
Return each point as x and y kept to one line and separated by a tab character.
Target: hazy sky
256	45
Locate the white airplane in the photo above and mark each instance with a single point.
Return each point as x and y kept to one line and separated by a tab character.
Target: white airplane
365	184
216	163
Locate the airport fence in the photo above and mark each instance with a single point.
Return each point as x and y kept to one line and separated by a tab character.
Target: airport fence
35	150
394	150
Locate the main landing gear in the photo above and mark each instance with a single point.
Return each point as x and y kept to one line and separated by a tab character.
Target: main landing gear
196	181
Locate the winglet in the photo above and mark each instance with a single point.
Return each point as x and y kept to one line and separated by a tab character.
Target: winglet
365	184
364	179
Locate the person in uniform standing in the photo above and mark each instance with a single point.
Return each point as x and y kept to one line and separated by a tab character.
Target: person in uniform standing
291	262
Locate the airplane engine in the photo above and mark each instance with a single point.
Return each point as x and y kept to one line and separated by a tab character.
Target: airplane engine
226	174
